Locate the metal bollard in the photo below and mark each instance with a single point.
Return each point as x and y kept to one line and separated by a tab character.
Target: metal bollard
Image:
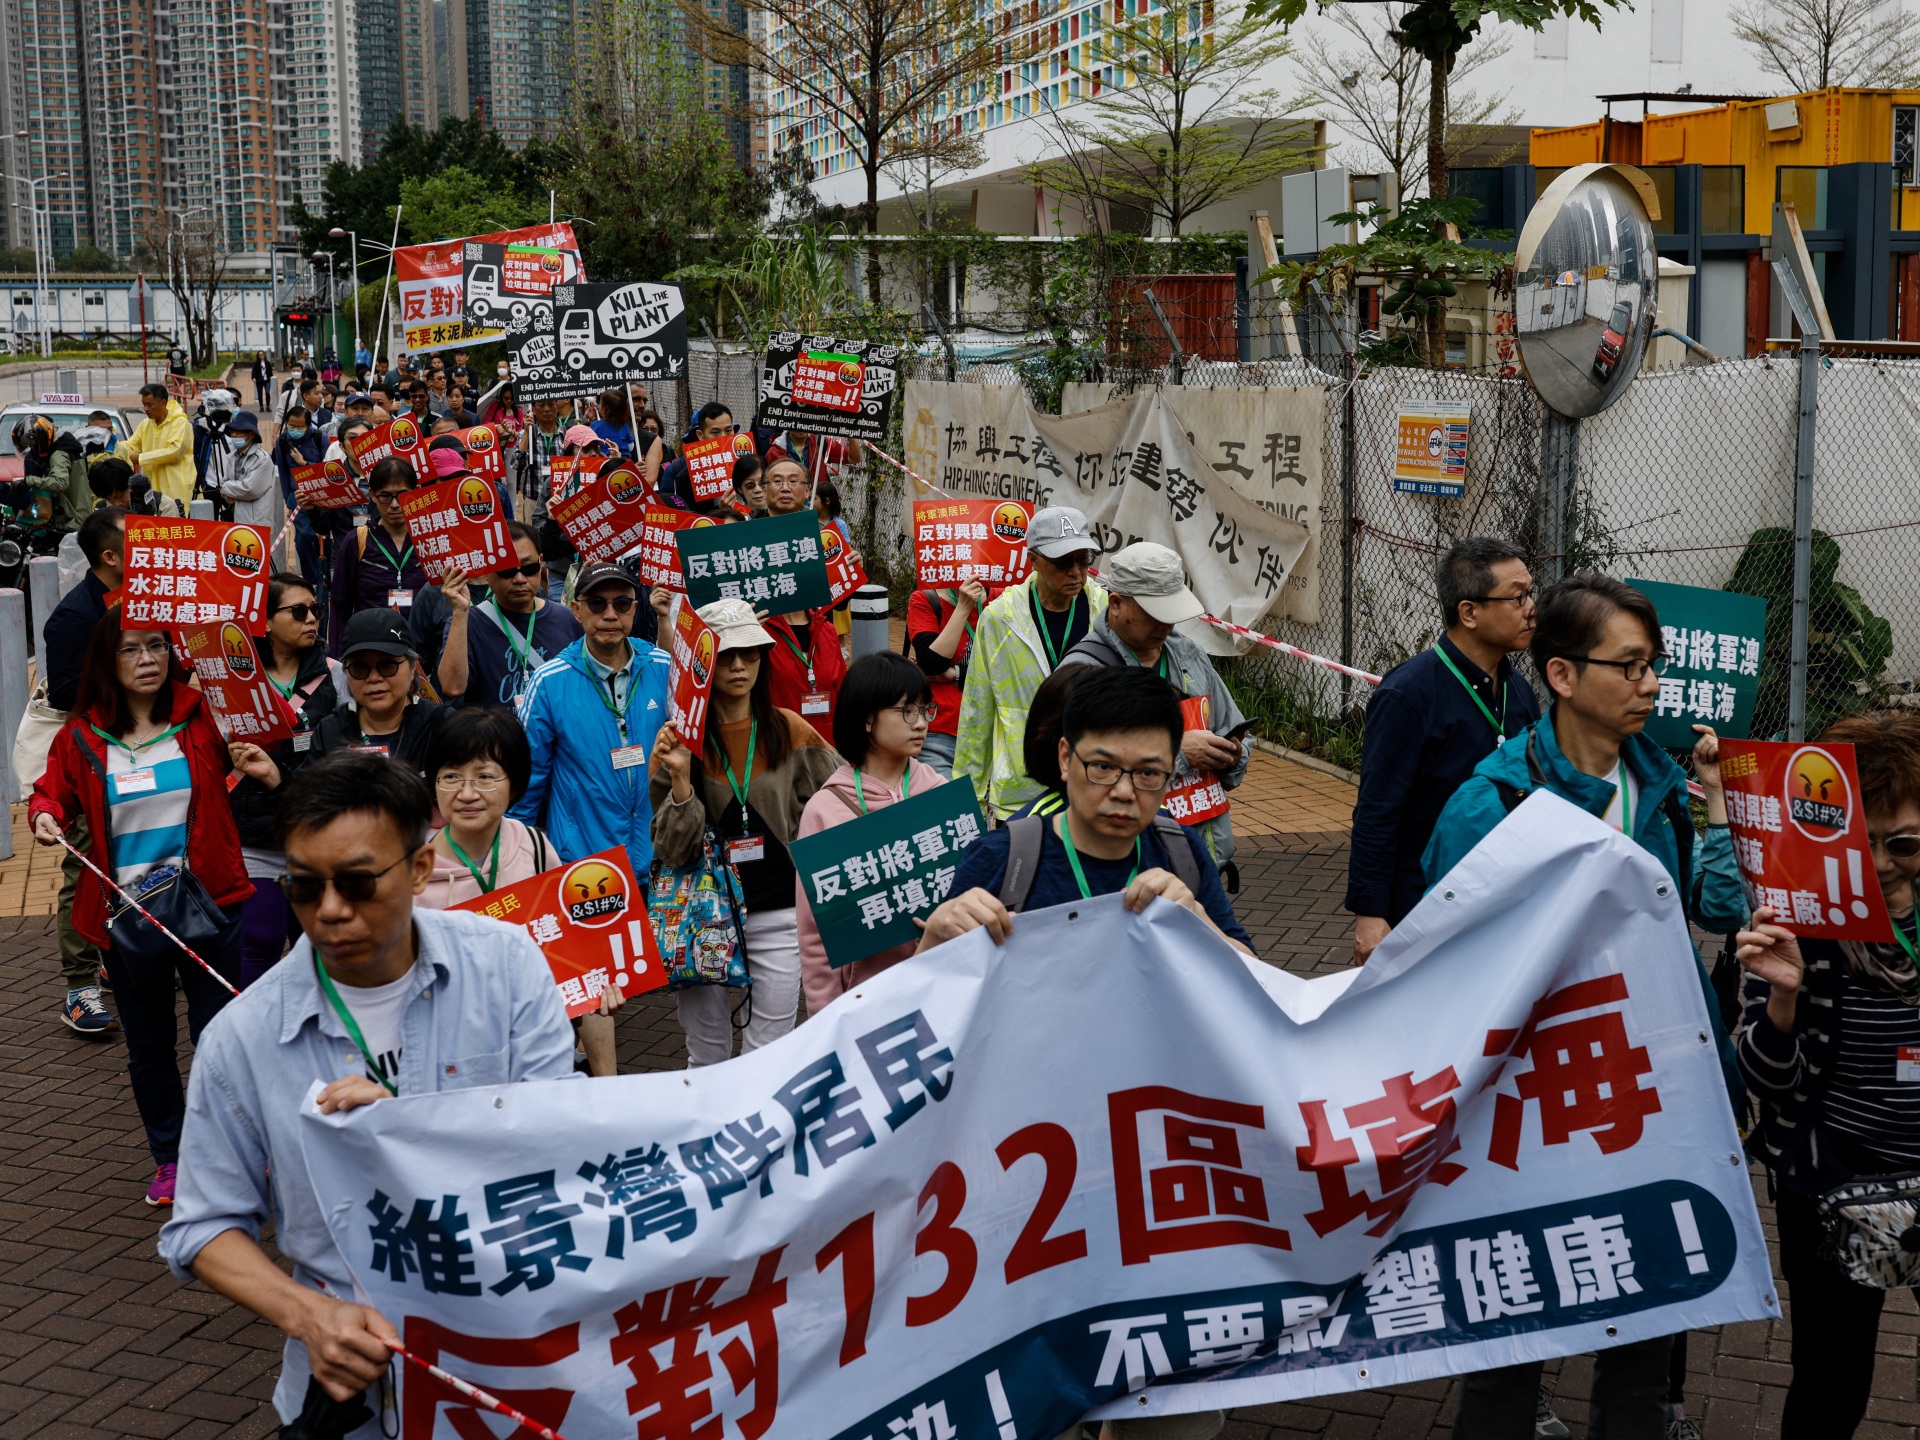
43	593
200	508
13	695
869	610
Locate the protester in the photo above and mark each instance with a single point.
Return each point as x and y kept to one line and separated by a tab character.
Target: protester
656	427
313	687
826	500
457	412
592	715
1147	596
1596	643
490	651
1040	744
504	411
757	770
615	423
1430	722
144	762
249	484
474	1000
301	442
710	421
750	486
376	566
262	373
1828	1027
387	716
161	445
1119	735
940	630
114	483
1020	639
879	728
808	664
65	636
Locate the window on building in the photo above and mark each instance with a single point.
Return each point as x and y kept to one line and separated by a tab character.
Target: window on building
1906	144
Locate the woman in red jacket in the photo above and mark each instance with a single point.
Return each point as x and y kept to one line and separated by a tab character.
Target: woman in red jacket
143	757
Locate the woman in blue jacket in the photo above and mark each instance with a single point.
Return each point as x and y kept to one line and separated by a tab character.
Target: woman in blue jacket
591	715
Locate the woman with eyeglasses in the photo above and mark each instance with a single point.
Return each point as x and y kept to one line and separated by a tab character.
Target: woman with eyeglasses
376	567
143	760
759	766
1829	1032
312	687
387	717
879	728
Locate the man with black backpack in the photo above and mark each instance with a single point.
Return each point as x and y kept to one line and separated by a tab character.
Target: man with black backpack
1119	735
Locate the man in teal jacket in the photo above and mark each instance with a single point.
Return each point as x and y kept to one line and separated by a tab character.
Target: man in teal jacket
591	715
1596	642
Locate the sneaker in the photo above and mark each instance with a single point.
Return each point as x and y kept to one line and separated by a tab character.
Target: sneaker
84	1014
105	982
1683	1427
160	1192
1546	1424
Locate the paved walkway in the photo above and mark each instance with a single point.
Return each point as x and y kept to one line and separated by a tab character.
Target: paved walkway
97	1341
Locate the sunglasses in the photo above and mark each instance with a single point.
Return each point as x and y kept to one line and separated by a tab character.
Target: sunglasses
356	887
1901	847
598	603
530	569
387	666
301	612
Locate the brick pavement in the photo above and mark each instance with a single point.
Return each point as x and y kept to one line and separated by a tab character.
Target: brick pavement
97	1341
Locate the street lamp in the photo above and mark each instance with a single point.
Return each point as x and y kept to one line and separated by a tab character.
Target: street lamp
333	304
42	261
353	269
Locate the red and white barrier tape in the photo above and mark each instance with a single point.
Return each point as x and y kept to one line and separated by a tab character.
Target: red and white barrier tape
107	879
904	470
1294	650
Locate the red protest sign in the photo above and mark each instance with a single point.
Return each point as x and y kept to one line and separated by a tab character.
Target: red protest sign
235	685
606	518
560	470
659	554
195	572
457	524
1198	796
710	464
401	436
833	381
845	574
590	921
485	453
959	540
1800	836
690	680
326	486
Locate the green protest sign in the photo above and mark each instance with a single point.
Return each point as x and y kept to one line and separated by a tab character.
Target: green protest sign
868	879
773	564
1712	639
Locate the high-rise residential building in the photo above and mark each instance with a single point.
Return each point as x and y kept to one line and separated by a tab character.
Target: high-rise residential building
377	67
216	116
43	92
316	98
124	149
519	64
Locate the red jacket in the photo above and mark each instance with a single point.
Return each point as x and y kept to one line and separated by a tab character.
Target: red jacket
789	682
72	785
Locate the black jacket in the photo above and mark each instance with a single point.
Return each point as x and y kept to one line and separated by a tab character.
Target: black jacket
341	731
64	640
315	696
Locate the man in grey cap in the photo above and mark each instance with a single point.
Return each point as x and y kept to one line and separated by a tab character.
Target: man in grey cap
1147	596
1021	639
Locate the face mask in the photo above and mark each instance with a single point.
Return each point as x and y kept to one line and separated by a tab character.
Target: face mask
237	443
296	432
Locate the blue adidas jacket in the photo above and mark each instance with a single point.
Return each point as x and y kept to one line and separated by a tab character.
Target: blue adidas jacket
576	796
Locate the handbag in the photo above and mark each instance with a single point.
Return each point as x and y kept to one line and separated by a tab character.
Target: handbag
34	739
1870	1228
697	912
175	897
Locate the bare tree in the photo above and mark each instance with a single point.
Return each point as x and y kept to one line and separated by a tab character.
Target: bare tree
194	254
1171	118
1812	44
1377	89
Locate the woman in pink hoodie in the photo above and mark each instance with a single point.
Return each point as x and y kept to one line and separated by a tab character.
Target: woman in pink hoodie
879	724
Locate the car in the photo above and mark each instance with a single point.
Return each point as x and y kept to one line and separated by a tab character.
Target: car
1612	340
65	418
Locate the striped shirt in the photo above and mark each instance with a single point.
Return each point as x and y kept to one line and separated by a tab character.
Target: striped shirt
1866	1100
148	792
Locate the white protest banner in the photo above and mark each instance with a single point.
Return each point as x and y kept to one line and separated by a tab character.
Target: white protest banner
1128	465
1110	1167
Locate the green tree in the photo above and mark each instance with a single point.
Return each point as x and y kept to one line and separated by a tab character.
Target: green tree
16	260
457	202
89	259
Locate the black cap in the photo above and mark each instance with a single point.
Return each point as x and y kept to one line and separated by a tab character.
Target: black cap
603	572
381	631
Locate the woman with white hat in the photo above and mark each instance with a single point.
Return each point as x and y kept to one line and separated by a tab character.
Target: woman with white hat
759	767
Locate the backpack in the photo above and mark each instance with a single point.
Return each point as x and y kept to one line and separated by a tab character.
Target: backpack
1024	838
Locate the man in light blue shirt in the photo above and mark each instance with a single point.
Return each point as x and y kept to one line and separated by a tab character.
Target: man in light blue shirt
378	998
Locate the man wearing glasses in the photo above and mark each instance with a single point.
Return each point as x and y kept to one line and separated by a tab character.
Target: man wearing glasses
1119	735
592	714
1021	639
1596	644
489	651
377	998
1432	720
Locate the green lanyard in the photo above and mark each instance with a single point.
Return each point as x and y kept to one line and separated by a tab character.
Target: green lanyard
1073	859
489	881
1498	728
286	690
525	647
1039	618
353	1026
619	711
740	786
386	553
135	750
805	659
906	786
1626	802
1906	942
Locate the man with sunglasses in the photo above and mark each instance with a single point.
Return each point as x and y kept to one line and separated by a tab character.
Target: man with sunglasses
1020	639
1596	643
489	651
377	998
592	714
1432	720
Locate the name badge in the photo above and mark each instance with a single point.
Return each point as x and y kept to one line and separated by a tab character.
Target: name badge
742	848
303	742
1906	1064
626	757
815	702
136	782
400	599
